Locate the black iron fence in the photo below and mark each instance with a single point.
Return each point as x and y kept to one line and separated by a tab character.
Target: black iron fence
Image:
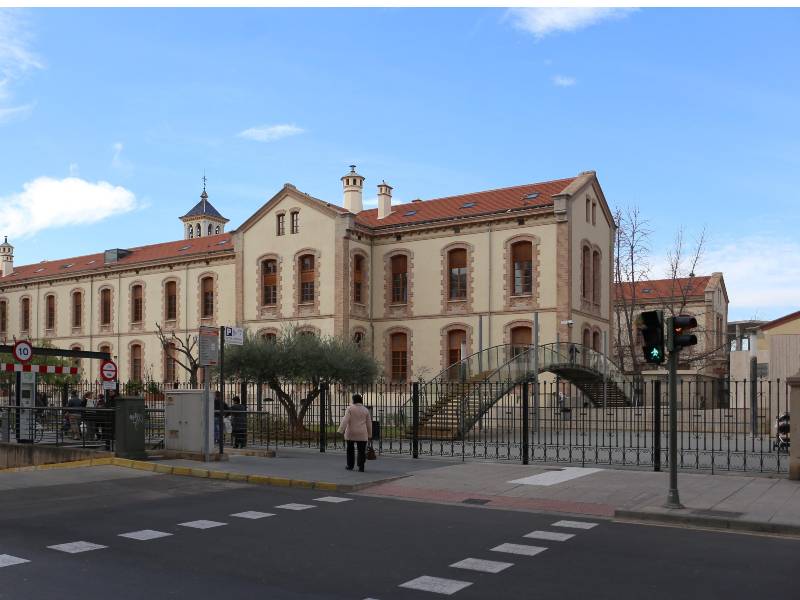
721	425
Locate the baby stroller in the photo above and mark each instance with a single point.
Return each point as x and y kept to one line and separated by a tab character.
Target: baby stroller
781	433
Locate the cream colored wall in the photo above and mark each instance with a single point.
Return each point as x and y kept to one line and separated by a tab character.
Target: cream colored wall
316	230
599	235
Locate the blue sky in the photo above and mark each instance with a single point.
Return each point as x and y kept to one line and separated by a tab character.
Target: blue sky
109	117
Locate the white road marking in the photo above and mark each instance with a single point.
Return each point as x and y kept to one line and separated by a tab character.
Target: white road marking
252	514
575	524
484	566
438	585
145	534
294	506
76	547
202	524
6	560
553	536
332	499
555	477
522	549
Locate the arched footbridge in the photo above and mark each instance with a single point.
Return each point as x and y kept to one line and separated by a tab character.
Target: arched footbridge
457	398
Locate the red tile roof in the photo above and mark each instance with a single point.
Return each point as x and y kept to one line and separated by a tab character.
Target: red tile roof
139	255
488	202
663	289
781	320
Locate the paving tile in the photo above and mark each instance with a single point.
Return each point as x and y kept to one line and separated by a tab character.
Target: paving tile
438	585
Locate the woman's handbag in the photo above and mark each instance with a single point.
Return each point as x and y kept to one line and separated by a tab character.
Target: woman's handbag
371	452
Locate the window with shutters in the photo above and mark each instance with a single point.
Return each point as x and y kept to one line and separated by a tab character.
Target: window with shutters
136	362
358	278
269	282
455	337
521	339
169	362
522	268
25	314
137	303
207	301
77	309
399	351
294	221
50	312
400	279
307	276
280	224
105	306
171	301
3	317
457	274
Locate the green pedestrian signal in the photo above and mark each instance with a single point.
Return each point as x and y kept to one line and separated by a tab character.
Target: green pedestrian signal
651	326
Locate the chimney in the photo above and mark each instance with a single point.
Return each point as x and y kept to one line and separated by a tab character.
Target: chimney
384	200
353	184
7	257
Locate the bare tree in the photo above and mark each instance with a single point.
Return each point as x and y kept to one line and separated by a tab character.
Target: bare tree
681	270
183	351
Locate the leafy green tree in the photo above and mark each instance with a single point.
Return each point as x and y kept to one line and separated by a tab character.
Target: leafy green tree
295	364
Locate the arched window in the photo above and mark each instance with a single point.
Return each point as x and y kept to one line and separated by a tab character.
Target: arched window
358	338
210	229
50	312
306	268
269	279
105	306
3	317
457	271
216	230
169	362
399	279
104	348
295	221
170	301
594	213
207	290
596	344
521	337
455	337
587	337
586	269
199	230
596	277
399	349
190	230
270	336
75	362
522	268
137	304
136	362
280	224
358	277
77	309
25	314
588	208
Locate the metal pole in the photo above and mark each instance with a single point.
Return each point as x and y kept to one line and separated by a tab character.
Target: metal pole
463	356
525	423
535	377
323	396
557	357
605	370
673	499
208	410
753	396
415	419
220	416
480	343
656	425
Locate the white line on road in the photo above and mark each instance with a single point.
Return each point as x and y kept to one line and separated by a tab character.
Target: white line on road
484	566
145	534
438	585
575	524
6	560
202	524
522	549
294	506
76	547
252	514
555	477
332	499
553	536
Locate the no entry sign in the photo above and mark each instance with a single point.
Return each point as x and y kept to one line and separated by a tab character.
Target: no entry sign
108	370
23	351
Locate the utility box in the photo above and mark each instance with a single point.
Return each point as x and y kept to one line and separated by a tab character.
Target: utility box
129	425
188	421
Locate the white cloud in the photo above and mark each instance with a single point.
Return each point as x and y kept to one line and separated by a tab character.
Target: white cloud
270	133
47	203
564	81
541	22
16	60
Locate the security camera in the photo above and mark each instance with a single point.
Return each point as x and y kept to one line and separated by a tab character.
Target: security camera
568	322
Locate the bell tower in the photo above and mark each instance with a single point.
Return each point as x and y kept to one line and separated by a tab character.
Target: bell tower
203	220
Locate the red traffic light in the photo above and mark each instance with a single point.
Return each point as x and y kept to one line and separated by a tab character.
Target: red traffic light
678	326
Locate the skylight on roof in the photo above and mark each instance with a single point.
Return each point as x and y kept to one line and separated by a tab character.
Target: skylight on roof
469	204
182	248
410	213
222	243
532	196
67	266
646	291
91	262
39	270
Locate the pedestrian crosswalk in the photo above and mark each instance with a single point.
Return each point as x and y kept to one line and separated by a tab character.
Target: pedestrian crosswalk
77	547
145	535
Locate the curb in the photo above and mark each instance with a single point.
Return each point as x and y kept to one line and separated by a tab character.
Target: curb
636	516
86	462
230	476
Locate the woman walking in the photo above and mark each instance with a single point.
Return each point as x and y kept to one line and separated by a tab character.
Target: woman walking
357	429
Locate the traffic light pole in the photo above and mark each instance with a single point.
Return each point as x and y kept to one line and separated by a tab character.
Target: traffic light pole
673	499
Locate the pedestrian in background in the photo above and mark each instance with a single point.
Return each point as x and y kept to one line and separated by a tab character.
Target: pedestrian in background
220	410
74	406
238	423
357	429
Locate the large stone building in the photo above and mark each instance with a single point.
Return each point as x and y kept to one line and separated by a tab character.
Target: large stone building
775	345
410	282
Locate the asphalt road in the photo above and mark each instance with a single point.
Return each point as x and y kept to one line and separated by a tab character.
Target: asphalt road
361	548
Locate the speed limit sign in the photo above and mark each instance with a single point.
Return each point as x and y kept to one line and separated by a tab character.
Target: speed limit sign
108	370
23	351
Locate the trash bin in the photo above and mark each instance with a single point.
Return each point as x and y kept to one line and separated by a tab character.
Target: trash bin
376	430
129	425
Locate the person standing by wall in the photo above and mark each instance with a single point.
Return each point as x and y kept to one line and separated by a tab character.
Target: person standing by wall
238	423
75	406
357	429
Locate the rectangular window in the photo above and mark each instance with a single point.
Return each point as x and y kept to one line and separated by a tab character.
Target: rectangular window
269	269
458	274
105	307
169	363
280	221
3	317
295	222
171	301
137	304
208	298
77	309
307	279
136	362
594	213
358	274
50	309
399	350
523	268
399	279
26	314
